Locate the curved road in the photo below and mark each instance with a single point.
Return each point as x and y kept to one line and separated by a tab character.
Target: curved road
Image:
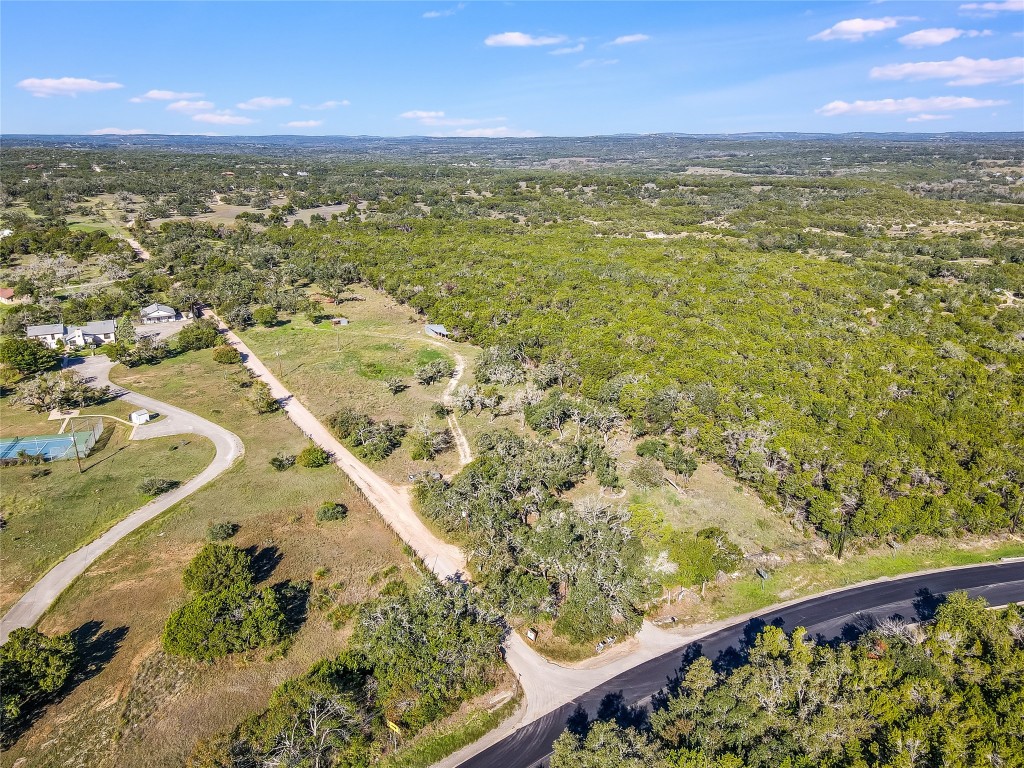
838	615
34	603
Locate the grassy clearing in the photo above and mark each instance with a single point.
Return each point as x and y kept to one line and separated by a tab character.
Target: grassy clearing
712	498
16	421
470	723
556	648
52	510
331	367
144	708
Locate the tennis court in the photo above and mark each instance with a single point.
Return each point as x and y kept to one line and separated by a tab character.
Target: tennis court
51	447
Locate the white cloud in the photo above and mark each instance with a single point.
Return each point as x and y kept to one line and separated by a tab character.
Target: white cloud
44	87
157	95
303	123
940	35
189	106
420	114
856	30
497	132
925	117
588	63
993	8
118	132
464	126
439	118
521	40
265	102
327	104
445	12
910	104
572	49
222	118
626	39
959	71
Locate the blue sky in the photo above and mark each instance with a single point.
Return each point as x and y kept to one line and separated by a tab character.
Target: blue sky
510	69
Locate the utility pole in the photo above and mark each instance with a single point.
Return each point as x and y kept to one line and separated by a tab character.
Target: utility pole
74	444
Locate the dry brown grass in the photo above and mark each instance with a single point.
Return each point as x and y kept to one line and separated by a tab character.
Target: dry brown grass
144	708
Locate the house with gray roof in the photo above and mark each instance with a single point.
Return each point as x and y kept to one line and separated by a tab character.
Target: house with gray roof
95	333
437	331
159	313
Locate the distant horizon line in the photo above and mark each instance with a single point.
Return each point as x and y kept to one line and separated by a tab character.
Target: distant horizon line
127	136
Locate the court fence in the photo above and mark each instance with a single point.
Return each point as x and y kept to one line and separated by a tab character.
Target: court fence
33	449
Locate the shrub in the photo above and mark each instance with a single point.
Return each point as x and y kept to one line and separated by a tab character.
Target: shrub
647	474
265	316
225	353
215	624
261	399
395	385
146	351
218	568
434	371
154	486
226	614
202	334
313	456
239	317
281	463
331	510
32	665
427	442
221	531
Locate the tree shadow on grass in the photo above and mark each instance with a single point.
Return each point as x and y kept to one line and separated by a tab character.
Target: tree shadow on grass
96	648
264	562
293	597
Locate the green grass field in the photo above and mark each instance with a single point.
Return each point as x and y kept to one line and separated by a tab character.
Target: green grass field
52	510
16	421
332	367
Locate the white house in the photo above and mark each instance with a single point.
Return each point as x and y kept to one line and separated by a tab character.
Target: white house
97	332
158	313
437	331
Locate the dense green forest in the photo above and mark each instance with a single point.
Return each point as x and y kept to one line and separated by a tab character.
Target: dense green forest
949	692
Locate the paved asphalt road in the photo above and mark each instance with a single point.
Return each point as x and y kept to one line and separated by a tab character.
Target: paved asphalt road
828	617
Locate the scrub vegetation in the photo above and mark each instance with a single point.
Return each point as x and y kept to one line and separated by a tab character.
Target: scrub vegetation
687	361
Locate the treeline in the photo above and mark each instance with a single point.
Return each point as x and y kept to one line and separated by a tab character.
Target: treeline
949	692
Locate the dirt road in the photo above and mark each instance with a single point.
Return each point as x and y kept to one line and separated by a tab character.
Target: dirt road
442	558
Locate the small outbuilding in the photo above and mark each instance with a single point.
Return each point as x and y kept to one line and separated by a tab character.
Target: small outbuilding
339	321
437	331
7	296
140	416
